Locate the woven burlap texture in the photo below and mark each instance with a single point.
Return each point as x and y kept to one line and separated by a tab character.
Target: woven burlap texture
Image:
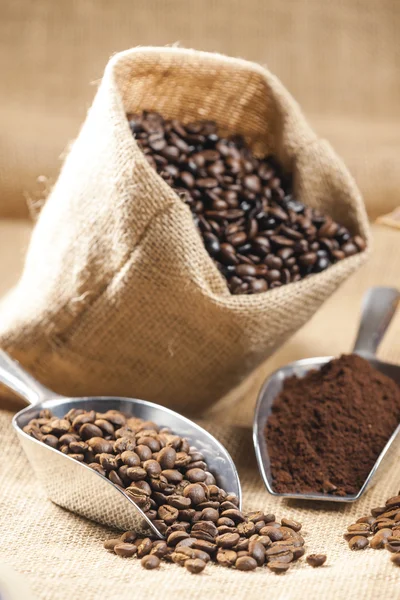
61	555
339	60
118	295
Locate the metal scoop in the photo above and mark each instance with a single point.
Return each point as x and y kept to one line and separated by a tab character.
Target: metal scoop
77	487
379	306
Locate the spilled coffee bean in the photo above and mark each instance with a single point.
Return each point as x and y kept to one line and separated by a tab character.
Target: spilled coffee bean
380	529
258	234
316	560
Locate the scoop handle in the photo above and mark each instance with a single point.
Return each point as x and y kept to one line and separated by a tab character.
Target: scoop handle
21	382
378	307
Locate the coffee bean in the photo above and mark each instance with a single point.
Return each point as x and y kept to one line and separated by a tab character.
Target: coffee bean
195	565
246	563
167	513
195	475
167	457
379	539
295	525
316	560
136	473
279	553
358	542
278	567
90	430
144	452
111	543
195	492
396	559
228	540
234	514
124	549
100	445
98	468
392	544
50	440
257	551
150	561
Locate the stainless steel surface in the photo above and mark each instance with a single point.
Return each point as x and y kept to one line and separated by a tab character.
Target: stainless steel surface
76	486
379	306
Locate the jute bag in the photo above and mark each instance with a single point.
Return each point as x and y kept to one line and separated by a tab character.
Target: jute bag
118	294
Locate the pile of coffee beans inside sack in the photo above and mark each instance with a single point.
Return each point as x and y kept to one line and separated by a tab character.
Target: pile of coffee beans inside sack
258	234
169	480
380	529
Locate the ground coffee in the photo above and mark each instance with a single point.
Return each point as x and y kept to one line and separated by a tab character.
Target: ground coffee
258	234
327	430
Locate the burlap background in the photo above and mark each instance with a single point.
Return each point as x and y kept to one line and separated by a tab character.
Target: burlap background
61	555
118	295
340	60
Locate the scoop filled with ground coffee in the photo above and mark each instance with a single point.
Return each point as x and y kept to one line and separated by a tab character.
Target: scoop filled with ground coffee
327	429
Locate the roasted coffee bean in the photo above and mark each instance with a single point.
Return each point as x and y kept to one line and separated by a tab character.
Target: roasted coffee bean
98	468
136	473
125	549
316	560
246	529
195	475
242	544
195	565
279	554
265	541
295	525
234	514
144	547
257	551
379	539
196	494
167	513
109	462
105	426
228	540
90	430
177	536
226	558
50	440
100	445
167	457
396	559
358	542
278	567
392	544
129	537
274	533
111	543
150	561
246	563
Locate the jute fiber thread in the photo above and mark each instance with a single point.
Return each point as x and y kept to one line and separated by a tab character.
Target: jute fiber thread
118	295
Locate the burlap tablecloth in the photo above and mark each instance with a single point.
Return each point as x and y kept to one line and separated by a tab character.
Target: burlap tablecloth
61	555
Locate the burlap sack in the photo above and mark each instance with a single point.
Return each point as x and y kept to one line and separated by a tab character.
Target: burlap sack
118	294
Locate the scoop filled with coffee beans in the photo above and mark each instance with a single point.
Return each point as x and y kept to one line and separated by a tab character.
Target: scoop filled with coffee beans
258	234
62	463
170	481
